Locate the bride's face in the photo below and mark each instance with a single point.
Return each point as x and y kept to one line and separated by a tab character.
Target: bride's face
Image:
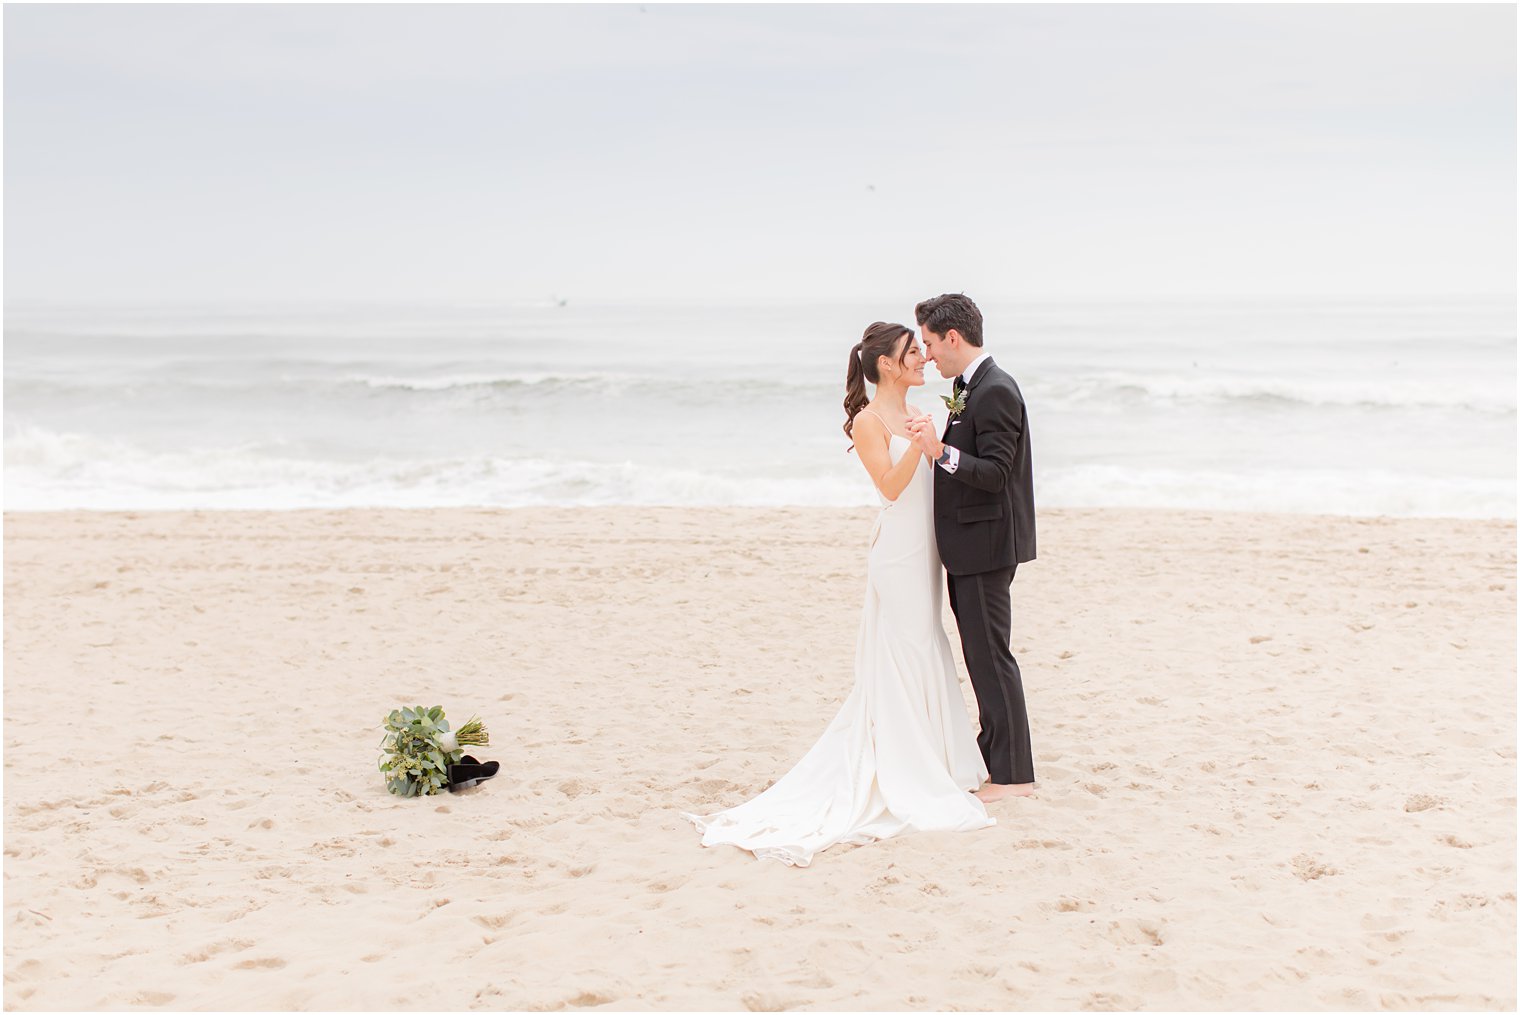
911	361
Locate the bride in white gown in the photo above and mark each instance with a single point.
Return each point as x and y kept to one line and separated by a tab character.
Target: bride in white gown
900	754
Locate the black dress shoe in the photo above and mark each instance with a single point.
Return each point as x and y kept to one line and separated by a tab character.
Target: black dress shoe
469	772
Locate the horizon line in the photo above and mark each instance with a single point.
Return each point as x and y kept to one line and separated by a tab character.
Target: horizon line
550	302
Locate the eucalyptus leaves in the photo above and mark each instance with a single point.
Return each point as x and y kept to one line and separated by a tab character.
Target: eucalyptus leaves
419	747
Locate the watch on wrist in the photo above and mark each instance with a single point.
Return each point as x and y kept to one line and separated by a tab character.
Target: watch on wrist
944	456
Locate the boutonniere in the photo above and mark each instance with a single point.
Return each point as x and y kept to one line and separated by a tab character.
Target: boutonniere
955	403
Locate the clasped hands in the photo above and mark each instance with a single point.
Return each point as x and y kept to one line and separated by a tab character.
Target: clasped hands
921	432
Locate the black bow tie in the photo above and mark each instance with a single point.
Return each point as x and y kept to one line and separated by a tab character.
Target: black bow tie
959	385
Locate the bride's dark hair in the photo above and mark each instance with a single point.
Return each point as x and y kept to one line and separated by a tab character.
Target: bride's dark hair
878	341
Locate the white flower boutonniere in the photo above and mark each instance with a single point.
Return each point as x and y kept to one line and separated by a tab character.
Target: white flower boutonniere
956	403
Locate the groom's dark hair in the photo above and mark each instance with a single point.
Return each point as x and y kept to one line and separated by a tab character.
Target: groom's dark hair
952	310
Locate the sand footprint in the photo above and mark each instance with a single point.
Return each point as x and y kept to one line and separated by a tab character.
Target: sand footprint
1066	904
1102	1001
492	921
769	1001
151	998
233	944
1306	868
663	886
588	999
269	963
1135	932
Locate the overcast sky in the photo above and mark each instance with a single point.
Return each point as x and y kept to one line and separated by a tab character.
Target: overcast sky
295	153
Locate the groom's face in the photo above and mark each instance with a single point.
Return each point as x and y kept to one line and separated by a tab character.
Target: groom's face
940	351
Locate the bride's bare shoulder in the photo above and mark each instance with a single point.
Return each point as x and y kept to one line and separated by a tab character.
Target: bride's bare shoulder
867	421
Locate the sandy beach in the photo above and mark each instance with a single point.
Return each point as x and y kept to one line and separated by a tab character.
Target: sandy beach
1276	762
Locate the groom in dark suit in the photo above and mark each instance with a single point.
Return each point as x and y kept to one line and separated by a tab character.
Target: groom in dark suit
983	525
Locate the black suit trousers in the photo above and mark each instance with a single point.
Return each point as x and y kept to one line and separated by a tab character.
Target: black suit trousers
984	614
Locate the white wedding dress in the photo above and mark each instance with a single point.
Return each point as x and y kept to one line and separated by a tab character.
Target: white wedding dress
900	754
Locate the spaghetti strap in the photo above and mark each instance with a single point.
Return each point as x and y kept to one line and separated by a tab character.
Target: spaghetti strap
884	423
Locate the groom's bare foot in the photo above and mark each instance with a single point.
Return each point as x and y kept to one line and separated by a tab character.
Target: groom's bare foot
998	791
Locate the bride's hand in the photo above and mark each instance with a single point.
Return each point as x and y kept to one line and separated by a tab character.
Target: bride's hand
922	430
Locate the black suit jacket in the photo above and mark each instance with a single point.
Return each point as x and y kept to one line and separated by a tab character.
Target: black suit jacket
984	511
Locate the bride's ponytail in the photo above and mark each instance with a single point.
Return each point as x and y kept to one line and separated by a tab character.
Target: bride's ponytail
878	341
854	391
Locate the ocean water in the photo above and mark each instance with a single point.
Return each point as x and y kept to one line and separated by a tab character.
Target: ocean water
1391	407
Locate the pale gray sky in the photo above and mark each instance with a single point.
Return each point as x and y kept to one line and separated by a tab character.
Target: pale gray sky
277	153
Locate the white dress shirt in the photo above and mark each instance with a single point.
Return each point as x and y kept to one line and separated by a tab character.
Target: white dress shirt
954	461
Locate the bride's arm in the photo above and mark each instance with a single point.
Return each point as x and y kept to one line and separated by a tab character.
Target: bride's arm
872	443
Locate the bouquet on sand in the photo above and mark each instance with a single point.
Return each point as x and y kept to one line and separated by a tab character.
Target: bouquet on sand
422	755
